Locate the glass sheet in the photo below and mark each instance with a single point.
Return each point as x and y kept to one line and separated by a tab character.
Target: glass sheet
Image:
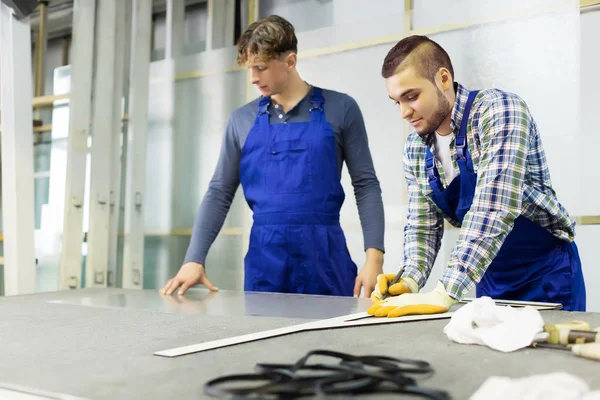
224	264
187	120
219	304
185	132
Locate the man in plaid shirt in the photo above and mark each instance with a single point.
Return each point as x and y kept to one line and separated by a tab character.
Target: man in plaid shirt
476	159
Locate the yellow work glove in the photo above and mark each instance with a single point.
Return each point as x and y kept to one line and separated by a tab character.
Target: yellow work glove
434	302
404	285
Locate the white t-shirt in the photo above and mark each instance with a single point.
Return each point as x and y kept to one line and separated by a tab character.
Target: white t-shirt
442	153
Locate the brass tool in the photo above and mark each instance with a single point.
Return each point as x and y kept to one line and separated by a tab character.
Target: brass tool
572	332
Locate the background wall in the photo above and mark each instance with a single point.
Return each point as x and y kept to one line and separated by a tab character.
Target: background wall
547	53
512	55
583	150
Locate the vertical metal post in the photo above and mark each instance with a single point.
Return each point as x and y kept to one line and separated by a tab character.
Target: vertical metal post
80	104
168	126
153	28
17	153
41	45
133	258
406	128
175	28
210	25
115	180
253	14
66	43
252	18
220	27
103	127
128	28
125	134
408	6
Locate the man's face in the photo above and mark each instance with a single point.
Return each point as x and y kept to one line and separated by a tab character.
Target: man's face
271	77
422	103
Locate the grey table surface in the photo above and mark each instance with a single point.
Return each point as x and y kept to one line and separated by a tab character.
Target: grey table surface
99	343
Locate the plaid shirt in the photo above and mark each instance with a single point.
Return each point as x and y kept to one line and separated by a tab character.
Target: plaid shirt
512	179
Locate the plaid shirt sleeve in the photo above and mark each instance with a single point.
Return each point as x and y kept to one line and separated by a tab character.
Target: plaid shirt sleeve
502	122
423	230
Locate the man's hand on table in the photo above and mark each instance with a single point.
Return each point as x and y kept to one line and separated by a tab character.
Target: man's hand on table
434	302
367	277
189	274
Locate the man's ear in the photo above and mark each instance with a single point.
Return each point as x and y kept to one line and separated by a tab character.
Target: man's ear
445	78
290	61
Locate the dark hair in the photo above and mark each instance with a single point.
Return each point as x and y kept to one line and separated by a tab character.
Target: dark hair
266	39
418	51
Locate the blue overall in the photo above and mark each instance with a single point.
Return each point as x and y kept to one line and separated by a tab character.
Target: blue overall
289	175
532	264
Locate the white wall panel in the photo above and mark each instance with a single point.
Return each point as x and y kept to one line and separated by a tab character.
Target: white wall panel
587	243
508	55
514	56
310	15
385	130
305	15
588	141
352	25
345	11
586	150
436	13
17	153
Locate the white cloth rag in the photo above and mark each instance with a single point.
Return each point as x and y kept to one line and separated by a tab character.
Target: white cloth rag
502	328
553	386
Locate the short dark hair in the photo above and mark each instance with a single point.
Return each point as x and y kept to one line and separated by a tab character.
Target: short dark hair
418	51
266	39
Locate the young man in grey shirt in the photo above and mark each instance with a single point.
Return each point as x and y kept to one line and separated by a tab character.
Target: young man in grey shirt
287	149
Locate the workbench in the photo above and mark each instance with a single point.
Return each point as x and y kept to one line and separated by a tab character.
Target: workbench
99	343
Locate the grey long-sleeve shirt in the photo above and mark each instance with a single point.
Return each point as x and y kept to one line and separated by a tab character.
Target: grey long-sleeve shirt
344	115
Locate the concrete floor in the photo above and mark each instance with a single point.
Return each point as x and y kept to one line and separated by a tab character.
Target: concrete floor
99	344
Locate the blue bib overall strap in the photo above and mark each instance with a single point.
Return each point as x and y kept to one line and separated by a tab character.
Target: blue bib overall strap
462	151
532	264
289	176
457	199
262	117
